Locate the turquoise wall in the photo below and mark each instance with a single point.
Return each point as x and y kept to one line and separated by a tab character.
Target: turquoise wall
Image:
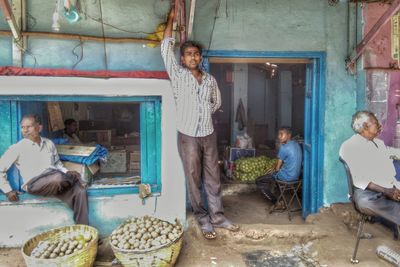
251	25
301	25
5	51
133	18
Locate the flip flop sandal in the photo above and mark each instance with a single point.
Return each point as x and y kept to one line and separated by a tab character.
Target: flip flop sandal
208	231
228	225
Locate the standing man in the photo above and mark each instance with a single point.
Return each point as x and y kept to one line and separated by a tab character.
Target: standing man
371	166
288	166
197	97
42	172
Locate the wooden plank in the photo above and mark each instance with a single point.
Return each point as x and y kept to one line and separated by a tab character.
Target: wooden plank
259	60
73	150
56	121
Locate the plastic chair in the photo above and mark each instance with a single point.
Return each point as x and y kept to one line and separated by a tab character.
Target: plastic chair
363	216
289	194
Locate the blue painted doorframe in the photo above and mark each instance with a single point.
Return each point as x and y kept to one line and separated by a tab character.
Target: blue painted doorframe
313	118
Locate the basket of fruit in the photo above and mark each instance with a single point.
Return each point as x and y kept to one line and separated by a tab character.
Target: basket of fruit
69	246
147	241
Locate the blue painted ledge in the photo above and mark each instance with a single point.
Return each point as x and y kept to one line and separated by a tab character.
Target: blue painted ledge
92	192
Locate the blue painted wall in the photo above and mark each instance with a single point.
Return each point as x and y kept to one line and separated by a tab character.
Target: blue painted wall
301	25
252	25
5	51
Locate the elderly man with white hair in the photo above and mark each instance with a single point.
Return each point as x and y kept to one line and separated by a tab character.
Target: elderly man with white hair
371	165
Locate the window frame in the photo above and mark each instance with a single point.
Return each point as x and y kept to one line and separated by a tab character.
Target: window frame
150	135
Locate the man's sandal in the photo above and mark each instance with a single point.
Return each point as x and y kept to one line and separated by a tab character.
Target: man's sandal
228	225
208	231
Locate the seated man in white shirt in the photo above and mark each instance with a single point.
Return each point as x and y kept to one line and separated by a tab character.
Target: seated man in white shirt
371	166
42	172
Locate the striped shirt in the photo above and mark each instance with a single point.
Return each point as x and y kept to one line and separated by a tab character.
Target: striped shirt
195	103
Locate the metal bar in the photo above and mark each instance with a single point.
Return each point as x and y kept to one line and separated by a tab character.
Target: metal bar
5	7
182	21
389	13
359	233
191	19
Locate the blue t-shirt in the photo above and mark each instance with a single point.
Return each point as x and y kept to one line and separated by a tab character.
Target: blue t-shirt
290	154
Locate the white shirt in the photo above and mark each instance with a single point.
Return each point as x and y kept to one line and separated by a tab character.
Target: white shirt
73	140
31	160
195	103
369	161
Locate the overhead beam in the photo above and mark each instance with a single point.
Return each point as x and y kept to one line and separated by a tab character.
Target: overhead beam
359	50
68	36
237	60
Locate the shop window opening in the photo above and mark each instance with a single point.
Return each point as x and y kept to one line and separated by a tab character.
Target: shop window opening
128	130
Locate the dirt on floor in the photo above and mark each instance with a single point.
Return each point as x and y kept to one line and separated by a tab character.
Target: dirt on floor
264	240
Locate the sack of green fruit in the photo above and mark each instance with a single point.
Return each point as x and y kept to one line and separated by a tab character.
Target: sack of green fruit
248	169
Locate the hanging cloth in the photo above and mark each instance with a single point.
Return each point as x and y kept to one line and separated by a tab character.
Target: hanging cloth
241	116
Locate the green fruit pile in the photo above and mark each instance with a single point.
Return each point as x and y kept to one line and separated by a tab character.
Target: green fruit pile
248	169
145	233
51	249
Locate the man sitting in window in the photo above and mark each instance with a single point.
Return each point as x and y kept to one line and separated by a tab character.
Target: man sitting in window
371	166
288	166
42	171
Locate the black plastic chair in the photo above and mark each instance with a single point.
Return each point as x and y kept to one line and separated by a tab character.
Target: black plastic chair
364	216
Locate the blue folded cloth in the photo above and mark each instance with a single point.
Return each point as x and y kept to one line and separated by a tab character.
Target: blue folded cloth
60	141
100	153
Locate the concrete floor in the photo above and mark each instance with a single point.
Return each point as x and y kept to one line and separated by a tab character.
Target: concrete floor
323	239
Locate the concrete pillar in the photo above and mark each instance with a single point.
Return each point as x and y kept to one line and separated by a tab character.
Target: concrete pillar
285	99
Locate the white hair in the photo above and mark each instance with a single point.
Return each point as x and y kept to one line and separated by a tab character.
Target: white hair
359	118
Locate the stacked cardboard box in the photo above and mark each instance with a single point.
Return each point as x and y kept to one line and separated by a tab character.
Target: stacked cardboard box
134	161
116	162
103	137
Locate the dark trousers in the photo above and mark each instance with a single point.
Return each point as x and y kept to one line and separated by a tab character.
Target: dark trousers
267	185
65	187
200	159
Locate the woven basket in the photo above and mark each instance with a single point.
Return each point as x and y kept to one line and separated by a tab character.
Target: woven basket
163	256
82	258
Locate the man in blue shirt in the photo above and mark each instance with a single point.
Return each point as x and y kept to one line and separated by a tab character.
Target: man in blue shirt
288	166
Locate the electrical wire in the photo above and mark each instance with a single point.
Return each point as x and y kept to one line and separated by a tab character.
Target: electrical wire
78	57
213	27
226	8
104	39
115	27
26	51
32	21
